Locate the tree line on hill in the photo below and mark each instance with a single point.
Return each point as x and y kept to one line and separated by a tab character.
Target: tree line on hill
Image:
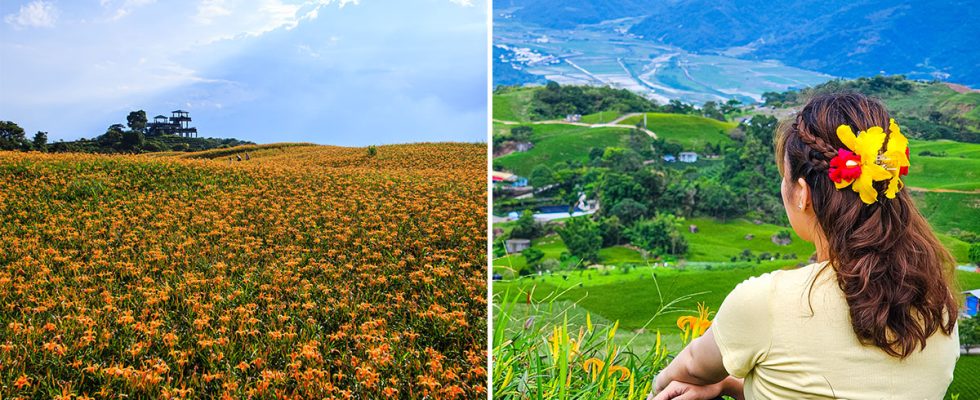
932	123
555	101
644	201
116	139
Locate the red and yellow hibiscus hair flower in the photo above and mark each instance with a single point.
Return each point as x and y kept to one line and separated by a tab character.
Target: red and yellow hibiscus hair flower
860	166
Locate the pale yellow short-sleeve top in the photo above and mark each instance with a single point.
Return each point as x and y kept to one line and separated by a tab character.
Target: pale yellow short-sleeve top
768	335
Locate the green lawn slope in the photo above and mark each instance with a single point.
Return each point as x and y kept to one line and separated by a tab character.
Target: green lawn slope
690	131
555	143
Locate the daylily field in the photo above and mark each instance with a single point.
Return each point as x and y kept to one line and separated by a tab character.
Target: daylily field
302	272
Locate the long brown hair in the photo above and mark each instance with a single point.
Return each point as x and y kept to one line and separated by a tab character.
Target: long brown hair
895	274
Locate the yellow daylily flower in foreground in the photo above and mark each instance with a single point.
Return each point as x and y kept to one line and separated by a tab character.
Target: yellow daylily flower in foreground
594	366
694	326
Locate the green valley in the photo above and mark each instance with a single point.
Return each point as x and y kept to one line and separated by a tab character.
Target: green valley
654	234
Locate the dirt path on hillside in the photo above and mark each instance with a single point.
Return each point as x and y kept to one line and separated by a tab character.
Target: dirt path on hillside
918	189
612	124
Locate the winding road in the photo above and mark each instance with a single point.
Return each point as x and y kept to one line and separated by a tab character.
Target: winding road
616	123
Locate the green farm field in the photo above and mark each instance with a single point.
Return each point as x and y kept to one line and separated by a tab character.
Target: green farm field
601	117
555	143
719	241
512	105
965	382
690	131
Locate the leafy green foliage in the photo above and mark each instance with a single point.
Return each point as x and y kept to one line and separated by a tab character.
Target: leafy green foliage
532	256
583	238
556	101
521	133
527	227
541	175
136	120
40	140
659	235
970	332
12	136
975	254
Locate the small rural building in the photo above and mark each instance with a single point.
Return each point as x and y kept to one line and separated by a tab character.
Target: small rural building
688	157
523	146
516	245
970	307
506	179
669	158
573	117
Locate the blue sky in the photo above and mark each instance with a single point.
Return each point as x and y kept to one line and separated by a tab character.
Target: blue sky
345	72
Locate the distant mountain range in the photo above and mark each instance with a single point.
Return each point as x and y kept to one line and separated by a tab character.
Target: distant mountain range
922	39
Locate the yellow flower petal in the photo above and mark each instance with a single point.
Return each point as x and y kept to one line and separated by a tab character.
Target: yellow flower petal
893	127
846	136
842	184
894	185
686	322
863	186
593	364
869	144
877	172
623	370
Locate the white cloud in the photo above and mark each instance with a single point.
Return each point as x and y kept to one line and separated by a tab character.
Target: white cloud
36	14
162	54
208	10
464	3
229	20
123	8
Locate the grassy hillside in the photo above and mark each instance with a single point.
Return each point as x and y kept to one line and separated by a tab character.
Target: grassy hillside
928	97
632	298
555	143
945	148
947	211
719	241
512	104
690	131
604	117
945	173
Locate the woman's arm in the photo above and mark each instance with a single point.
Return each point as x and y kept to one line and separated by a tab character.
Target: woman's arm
698	364
677	390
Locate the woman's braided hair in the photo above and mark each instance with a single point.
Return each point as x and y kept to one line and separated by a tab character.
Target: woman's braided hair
896	276
821	152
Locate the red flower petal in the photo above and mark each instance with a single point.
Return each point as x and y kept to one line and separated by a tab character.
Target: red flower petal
846	166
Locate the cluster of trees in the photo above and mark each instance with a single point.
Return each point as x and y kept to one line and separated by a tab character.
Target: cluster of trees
520	133
133	137
969	330
13	137
118	138
714	110
934	124
556	101
878	86
644	202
